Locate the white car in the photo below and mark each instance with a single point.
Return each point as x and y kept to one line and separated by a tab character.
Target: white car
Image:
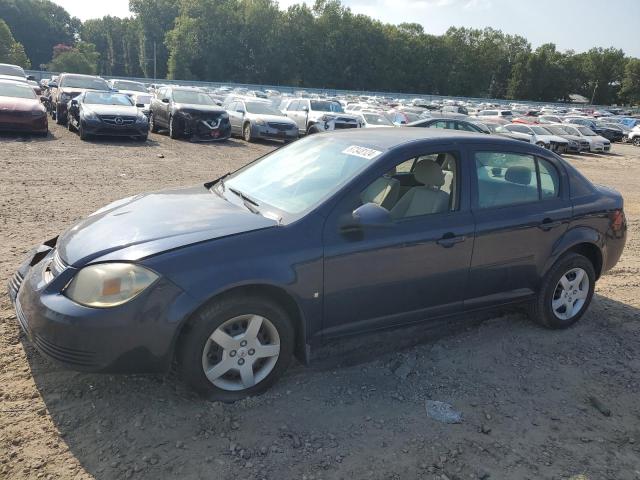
596	142
634	135
371	119
128	87
540	136
497	116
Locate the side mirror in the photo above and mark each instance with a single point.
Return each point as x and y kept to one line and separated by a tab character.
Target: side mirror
367	215
31	77
165	100
52	85
43	99
140	105
239	110
305	109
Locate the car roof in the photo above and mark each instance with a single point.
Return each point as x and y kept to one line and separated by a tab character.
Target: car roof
14	82
390	138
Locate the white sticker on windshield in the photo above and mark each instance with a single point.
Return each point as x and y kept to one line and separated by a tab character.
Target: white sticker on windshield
363	152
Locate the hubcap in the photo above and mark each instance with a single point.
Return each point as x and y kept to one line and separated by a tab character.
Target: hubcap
241	352
570	294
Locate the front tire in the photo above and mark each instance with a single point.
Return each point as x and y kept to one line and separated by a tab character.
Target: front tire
83	135
565	293
153	128
60	118
236	347
173	129
246	132
312	129
636	141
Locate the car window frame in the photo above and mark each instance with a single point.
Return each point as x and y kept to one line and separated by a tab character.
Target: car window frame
563	179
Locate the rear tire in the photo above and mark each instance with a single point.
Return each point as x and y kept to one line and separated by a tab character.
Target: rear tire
636	141
153	128
230	318
565	293
313	129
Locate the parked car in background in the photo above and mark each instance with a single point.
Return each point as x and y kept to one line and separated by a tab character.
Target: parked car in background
596	142
540	136
401	117
9	70
95	113
253	118
498	129
371	119
314	116
459	109
188	113
143	99
450	124
68	86
495	116
611	134
129	87
549	119
21	110
577	144
323	238
634	136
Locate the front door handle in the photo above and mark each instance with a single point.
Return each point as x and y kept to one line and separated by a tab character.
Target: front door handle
449	239
548	223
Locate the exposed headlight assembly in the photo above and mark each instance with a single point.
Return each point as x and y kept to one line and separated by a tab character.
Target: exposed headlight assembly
109	284
89	115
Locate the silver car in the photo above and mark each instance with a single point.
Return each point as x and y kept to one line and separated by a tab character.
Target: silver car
253	118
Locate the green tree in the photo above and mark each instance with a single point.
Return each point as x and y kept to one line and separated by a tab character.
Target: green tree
39	25
116	40
10	50
630	90
83	58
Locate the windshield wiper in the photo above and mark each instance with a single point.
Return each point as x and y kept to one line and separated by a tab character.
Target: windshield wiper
220	180
248	201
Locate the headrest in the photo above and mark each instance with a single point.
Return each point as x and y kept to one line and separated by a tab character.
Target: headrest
518	174
429	173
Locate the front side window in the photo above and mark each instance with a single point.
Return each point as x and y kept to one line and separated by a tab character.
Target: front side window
423	185
513	178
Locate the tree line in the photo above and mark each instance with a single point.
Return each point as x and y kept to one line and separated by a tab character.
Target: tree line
325	46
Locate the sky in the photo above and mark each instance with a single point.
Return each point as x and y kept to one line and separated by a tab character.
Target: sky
570	24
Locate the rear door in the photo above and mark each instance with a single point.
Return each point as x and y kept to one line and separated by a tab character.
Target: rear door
521	207
234	117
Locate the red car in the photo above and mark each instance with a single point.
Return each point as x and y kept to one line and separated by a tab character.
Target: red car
20	109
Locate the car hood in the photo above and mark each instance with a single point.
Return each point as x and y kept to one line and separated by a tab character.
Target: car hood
13	104
111	109
147	224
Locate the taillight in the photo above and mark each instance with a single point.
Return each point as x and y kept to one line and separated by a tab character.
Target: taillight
618	220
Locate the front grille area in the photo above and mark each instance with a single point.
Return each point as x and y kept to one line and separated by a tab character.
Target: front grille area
346	125
281	126
71	356
117	120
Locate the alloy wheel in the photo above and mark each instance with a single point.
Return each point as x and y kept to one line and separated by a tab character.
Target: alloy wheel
241	352
247	132
570	294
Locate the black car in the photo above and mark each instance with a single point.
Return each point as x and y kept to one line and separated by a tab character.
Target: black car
69	86
450	124
188	113
336	234
613	134
107	114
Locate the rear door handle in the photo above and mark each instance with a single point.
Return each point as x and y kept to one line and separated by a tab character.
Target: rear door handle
448	240
548	223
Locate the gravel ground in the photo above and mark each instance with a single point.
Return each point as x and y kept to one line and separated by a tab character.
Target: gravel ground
535	404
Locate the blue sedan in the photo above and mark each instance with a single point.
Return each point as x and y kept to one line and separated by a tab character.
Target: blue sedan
335	234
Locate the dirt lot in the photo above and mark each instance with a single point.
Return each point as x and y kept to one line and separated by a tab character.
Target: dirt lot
527	394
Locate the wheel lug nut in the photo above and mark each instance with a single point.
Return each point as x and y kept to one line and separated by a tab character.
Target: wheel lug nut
251	351
243	343
232	353
241	361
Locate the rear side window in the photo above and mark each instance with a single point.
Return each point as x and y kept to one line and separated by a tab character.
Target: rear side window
511	179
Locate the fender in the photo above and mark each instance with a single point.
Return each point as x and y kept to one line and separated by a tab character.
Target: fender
571	238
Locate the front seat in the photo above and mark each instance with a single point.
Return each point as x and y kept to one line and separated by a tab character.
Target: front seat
425	199
384	192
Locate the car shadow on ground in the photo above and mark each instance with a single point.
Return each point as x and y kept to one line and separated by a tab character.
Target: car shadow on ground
122	142
130	426
26	137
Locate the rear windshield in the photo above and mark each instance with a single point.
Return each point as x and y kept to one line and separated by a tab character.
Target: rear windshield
12	70
16	91
133	86
107	98
261	108
375	119
586	131
91	83
324	106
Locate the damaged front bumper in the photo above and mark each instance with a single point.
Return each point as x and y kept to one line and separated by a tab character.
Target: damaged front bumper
207	129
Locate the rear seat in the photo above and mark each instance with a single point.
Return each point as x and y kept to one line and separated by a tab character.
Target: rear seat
515	187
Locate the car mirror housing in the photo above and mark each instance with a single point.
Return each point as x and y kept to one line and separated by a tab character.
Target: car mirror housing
52	85
165	100
367	215
140	105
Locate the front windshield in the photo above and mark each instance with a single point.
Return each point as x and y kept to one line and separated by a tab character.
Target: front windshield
91	83
261	108
12	70
16	91
556	130
192	97
133	86
375	119
324	106
586	131
107	98
540	131
146	99
297	178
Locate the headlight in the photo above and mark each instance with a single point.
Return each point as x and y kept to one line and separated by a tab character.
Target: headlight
142	119
89	115
109	284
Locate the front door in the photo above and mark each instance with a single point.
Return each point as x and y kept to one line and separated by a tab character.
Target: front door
411	269
521	208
